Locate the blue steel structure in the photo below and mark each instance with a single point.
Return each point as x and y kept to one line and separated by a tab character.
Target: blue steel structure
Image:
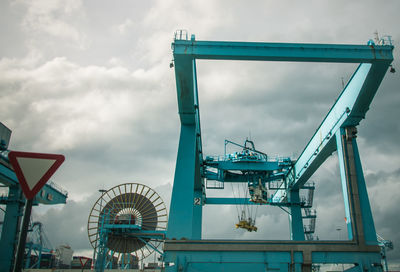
109	229
384	244
184	248
126	224
50	194
37	244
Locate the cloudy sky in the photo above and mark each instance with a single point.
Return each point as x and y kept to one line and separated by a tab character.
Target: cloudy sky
91	80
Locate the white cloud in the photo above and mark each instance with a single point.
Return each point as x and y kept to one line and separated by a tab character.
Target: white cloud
54	18
73	103
125	26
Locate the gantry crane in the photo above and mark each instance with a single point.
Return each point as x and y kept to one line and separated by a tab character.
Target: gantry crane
14	201
37	243
184	248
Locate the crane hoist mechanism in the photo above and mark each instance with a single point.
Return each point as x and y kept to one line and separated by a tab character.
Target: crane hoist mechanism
252	175
246	223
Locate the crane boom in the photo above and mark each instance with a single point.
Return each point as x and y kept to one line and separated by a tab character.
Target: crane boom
349	109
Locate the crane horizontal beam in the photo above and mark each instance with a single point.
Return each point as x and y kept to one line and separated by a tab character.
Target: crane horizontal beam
297	52
244	201
246	166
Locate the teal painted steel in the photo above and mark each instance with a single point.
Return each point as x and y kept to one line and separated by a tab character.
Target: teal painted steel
312	157
186	52
188	194
298	52
246	201
37	245
259	166
10	227
349	109
181	223
5	135
359	221
340	146
366	213
7	176
295	217
208	255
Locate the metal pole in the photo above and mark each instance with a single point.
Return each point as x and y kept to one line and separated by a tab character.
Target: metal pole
102	191
19	259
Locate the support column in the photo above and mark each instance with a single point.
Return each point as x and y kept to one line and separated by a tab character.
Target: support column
366	214
345	186
10	228
360	221
181	223
295	217
198	184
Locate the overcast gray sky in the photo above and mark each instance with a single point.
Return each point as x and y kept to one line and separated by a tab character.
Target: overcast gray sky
91	80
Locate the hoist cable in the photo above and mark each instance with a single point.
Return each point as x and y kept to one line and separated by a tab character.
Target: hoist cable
236	204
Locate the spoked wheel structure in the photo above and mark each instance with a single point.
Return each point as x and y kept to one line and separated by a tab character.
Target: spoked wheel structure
122	212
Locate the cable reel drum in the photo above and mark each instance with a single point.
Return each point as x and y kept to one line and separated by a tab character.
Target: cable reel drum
122	222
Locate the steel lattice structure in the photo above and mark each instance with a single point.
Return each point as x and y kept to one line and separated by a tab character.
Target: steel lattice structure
126	223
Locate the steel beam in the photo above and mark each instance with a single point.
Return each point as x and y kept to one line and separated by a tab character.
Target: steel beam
245	201
298	52
10	227
345	185
295	217
349	109
216	255
250	166
359	219
268	245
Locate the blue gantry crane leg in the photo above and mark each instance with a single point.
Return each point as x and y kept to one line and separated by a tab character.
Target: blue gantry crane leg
295	217
360	224
185	223
184	248
8	241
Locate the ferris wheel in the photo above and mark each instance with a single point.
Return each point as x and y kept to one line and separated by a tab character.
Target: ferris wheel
127	223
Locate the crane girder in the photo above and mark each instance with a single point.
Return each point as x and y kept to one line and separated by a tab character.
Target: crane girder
298	52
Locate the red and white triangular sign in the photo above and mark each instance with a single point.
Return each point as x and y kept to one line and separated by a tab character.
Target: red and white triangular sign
83	261
33	170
